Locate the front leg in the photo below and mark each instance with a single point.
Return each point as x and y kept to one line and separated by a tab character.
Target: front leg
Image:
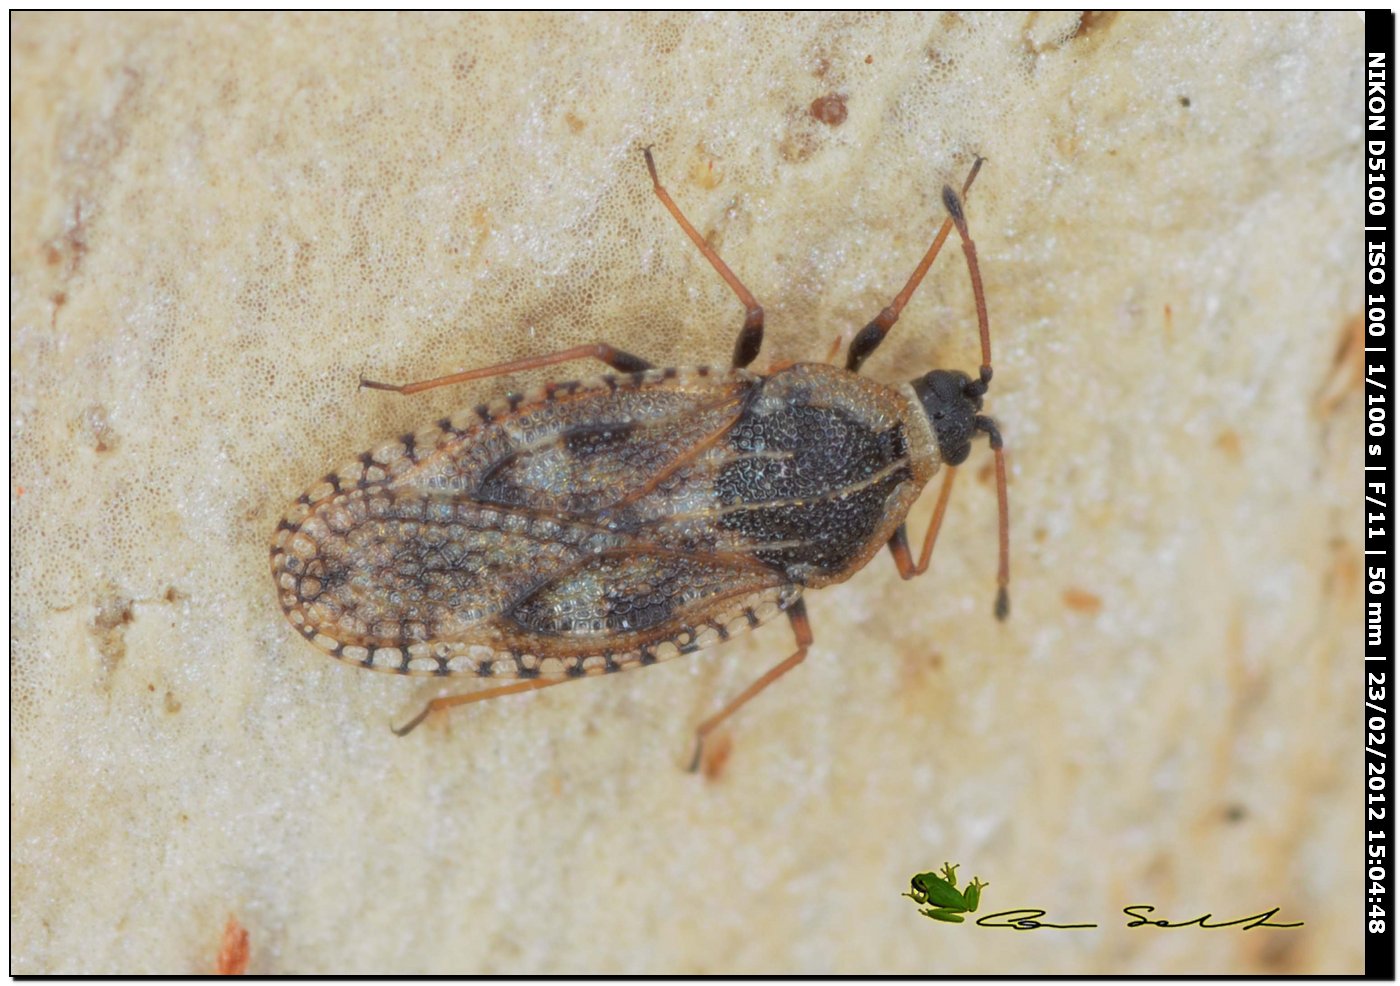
899	542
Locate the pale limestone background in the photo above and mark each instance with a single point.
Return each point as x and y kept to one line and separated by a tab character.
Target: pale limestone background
219	222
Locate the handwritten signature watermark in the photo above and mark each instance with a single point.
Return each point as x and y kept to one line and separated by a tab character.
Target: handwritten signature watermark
939	898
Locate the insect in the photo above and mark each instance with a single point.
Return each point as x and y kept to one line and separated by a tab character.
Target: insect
602	524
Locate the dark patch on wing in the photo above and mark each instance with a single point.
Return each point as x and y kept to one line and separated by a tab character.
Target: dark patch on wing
609	446
822	457
631	591
594	439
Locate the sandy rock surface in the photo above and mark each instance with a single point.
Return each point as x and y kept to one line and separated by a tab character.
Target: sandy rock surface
220	222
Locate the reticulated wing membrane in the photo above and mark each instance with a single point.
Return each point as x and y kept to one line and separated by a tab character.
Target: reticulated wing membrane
529	544
582	456
640	592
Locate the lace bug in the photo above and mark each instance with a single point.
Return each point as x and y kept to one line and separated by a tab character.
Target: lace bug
600	524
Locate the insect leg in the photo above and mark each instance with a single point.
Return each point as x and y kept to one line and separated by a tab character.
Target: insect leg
1003	604
870	337
834	351
618	359
899	543
802	630
750	339
448	701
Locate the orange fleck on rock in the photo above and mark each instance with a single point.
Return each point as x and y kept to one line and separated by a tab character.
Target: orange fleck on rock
1228	441
830	109
233	953
1082	601
716	756
1347	375
704	173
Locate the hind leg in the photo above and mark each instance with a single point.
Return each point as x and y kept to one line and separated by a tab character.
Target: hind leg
802	630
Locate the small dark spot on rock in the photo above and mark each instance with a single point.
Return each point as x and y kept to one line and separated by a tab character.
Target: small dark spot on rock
938	58
829	109
68	248
798	145
1093	21
1229	442
869	59
1279	955
1185	101
113	613
1235	813
97	428
462	65
1082	601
